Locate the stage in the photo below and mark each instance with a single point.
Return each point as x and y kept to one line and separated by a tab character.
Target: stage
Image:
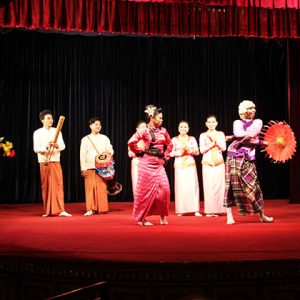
121	251
115	237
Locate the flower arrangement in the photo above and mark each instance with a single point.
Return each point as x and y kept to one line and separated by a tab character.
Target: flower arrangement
7	148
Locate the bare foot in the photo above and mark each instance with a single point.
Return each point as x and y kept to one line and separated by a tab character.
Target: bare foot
65	214
145	223
88	213
230	221
266	219
163	221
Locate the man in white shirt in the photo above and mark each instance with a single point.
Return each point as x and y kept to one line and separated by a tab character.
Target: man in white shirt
50	168
95	186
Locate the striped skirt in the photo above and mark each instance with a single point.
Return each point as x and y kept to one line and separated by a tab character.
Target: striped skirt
152	193
242	186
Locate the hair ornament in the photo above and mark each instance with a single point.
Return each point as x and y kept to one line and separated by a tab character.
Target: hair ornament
150	111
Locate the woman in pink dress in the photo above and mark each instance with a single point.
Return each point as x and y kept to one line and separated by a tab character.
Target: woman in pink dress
136	158
212	144
186	178
152	193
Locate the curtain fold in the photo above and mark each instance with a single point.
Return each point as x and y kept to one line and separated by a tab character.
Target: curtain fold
213	18
293	62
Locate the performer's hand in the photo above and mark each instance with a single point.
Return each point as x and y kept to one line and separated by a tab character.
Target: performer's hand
265	143
183	152
84	173
229	138
55	145
179	153
211	136
165	162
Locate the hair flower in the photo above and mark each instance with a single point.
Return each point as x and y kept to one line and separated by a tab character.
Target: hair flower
150	111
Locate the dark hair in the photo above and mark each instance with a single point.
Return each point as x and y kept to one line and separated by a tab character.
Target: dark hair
140	122
93	120
211	116
43	113
184	121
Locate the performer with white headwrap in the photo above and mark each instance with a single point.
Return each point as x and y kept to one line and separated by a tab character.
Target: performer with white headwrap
240	169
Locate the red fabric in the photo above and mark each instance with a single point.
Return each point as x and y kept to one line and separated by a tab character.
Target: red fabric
114	237
152	194
293	67
258	18
162	139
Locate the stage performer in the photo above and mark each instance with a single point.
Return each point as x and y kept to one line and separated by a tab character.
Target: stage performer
152	194
240	169
187	195
212	144
95	186
48	153
135	158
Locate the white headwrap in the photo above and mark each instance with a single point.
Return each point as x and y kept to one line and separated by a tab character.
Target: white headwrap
244	105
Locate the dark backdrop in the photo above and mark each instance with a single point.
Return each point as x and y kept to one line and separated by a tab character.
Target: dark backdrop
114	77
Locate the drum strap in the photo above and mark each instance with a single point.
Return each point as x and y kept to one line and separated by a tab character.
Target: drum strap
93	145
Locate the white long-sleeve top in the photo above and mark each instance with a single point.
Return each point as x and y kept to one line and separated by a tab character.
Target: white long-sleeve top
247	138
184	160
41	139
88	151
212	155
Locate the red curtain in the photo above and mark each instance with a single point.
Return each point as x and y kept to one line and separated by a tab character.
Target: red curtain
203	18
293	62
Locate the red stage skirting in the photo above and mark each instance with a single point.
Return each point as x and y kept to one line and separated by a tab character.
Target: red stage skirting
115	237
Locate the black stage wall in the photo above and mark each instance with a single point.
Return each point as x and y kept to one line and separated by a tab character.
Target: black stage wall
114	77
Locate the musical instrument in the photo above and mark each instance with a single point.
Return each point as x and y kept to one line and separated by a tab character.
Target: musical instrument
104	164
54	140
